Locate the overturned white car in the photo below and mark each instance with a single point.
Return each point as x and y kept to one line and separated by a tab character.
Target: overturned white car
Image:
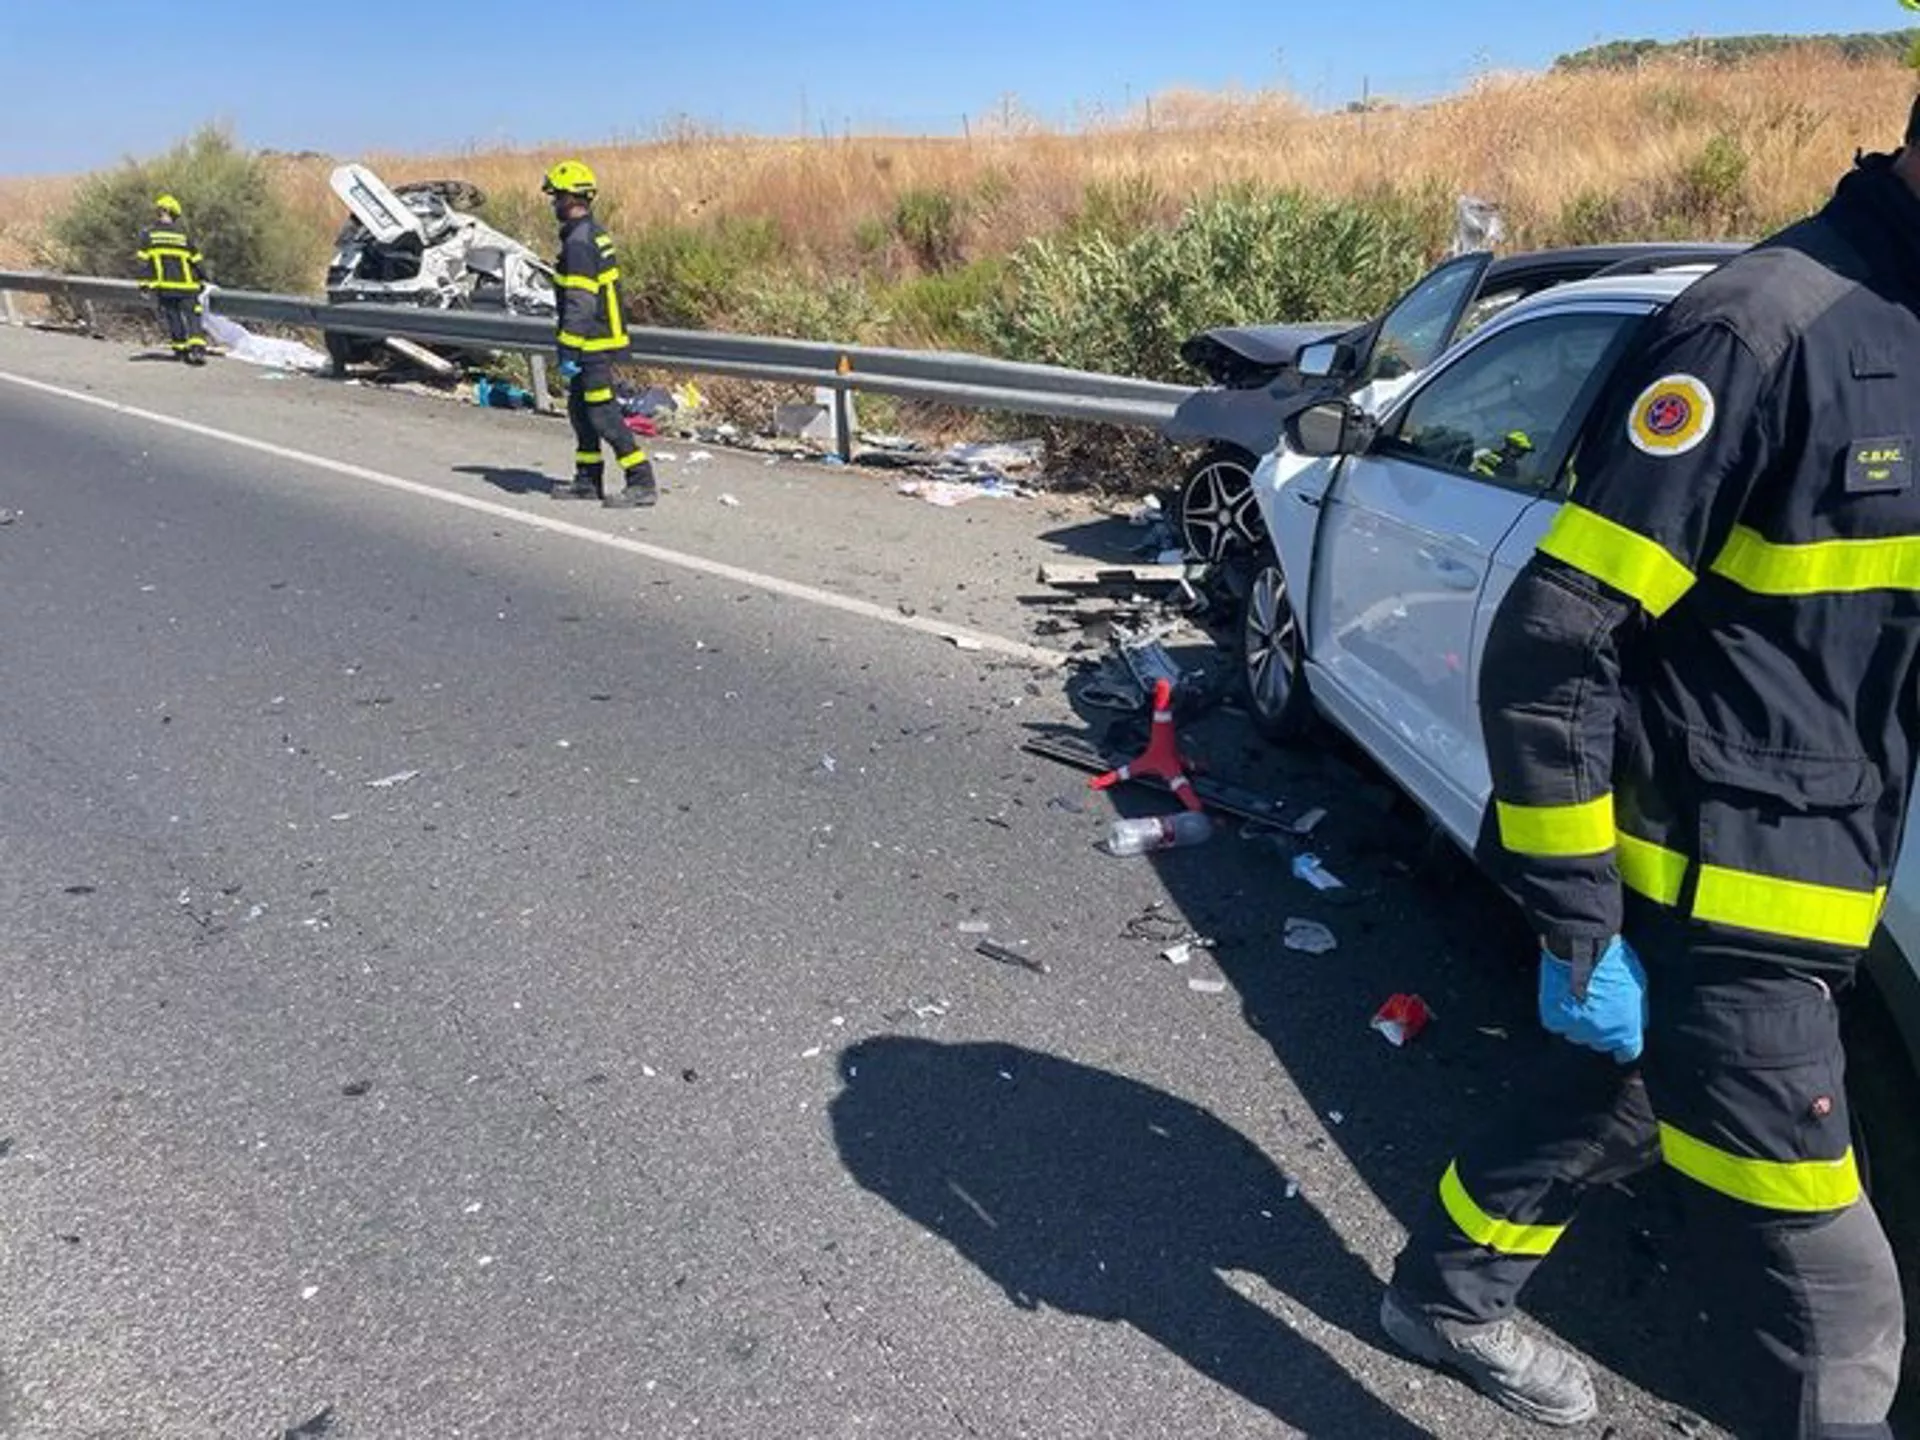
420	245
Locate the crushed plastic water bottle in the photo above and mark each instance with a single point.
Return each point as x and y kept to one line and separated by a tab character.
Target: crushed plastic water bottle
1159	832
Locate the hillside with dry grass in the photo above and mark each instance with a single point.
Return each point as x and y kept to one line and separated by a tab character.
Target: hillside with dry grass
944	241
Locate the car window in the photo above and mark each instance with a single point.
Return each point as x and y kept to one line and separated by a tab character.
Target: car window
1419	327
1485	307
1497	412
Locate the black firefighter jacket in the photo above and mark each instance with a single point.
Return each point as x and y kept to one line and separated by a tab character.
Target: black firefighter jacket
587	276
1702	688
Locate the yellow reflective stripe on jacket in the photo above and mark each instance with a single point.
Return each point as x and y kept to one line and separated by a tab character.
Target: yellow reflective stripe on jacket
1557	830
607	277
582	342
1801	1186
1615	555
596	397
1745	900
1652	870
1824	914
1481	1228
577	282
1821	567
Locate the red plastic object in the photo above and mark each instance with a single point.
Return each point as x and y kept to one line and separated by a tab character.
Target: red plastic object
641	425
1161	759
1402	1018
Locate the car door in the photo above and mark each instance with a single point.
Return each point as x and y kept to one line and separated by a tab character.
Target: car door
1409	534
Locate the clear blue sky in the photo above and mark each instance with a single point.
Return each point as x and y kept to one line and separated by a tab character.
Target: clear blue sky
83	84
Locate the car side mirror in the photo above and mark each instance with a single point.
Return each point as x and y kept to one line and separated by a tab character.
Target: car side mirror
1332	428
1326	360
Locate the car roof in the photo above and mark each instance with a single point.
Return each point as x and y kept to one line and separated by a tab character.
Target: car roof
1534	266
1659	288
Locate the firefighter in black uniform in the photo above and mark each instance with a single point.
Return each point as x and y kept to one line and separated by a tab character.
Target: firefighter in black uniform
175	273
591	332
1702	703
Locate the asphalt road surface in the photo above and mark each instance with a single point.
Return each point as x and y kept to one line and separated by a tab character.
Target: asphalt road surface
481	967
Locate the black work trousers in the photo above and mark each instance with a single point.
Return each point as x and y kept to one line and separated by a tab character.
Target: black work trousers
180	313
596	418
1740	1091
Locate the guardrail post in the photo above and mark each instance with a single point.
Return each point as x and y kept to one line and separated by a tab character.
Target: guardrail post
93	318
12	311
843	410
537	374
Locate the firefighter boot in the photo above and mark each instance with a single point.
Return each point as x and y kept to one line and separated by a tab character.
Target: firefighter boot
580	487
641	489
1531	1378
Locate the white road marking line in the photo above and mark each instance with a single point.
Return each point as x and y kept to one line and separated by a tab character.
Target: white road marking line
772	584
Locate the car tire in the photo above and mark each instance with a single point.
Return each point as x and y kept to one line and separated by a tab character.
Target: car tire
1270	654
1218	516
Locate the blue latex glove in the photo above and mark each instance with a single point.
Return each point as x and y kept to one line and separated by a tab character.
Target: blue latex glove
568	369
1603	1007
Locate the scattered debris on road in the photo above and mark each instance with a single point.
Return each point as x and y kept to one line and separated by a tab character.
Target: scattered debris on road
388	782
1309	869
1304	825
1205	986
314	1428
1309	937
1402	1019
948	493
1000	954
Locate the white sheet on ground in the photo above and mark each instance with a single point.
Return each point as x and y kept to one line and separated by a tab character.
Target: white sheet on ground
241	343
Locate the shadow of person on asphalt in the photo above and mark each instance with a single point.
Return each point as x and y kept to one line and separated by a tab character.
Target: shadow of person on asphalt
514	480
1416	917
1103	1197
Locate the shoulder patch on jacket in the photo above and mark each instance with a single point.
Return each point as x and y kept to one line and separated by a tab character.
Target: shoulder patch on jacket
1671	416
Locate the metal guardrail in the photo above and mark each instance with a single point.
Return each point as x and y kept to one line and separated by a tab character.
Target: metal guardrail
975	382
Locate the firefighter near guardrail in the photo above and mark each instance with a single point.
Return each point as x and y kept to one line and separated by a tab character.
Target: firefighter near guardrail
591	333
174	275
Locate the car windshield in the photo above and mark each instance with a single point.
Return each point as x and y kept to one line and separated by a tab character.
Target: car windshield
1419	327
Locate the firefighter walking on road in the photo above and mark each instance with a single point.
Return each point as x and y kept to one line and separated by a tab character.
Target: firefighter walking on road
592	331
174	275
1701	700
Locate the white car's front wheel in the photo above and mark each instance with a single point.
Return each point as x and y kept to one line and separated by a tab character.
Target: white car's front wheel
1270	658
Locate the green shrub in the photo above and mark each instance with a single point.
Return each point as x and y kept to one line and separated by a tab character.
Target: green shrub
941	311
1119	209
1712	189
233	211
1241	256
871	237
804	307
930	224
686	277
1590	218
